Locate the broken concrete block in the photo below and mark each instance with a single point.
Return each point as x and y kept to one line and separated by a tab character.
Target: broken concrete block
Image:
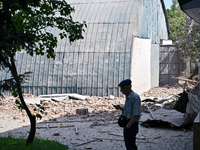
111	97
56	134
16	117
82	111
45	103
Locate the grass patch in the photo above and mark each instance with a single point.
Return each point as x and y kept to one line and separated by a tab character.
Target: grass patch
10	143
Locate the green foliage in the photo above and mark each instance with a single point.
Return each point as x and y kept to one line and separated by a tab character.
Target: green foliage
189	44
184	33
39	110
9	143
26	25
20	106
177	20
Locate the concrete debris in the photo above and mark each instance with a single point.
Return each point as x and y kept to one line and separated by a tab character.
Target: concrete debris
85	143
61	97
97	128
160	92
92	107
56	134
55	127
75	106
82	111
166	103
172	109
111	97
76	129
111	139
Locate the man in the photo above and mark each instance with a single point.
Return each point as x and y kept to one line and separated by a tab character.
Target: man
132	111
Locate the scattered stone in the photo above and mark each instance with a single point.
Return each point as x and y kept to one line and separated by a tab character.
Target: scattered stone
56	134
53	119
45	103
82	111
16	117
93	106
111	97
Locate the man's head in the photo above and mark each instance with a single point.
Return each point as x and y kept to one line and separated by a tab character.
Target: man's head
125	86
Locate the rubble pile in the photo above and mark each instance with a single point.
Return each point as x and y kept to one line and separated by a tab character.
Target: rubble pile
161	92
166	103
161	97
91	122
97	106
178	109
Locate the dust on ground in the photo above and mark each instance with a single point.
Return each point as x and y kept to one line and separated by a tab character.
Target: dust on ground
97	130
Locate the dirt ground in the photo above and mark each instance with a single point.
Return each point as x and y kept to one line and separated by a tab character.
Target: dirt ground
97	130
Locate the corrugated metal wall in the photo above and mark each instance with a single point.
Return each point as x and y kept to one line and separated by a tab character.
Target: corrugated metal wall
95	65
169	65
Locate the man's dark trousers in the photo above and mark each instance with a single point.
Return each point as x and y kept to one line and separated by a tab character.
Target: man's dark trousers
130	136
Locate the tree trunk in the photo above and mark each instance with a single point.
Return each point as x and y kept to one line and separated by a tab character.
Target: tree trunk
32	131
32	118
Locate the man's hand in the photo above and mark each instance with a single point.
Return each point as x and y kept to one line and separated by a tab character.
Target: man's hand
131	122
118	107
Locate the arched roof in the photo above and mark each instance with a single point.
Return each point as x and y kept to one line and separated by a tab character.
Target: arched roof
96	64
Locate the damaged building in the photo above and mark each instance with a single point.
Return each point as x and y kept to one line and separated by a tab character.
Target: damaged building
122	40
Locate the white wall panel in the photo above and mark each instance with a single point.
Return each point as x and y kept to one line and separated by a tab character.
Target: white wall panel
141	65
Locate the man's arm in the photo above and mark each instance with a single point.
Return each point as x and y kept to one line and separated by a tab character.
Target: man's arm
132	121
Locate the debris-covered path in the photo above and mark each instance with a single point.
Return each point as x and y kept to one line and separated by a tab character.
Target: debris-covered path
98	130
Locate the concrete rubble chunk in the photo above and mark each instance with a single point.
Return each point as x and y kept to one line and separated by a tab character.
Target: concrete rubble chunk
61	97
111	97
82	111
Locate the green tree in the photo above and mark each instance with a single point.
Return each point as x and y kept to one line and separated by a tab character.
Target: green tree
184	33
189	45
25	26
177	20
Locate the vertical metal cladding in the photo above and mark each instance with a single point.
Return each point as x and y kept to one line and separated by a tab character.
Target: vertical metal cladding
95	65
169	65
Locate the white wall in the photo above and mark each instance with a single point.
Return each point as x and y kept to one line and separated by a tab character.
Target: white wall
155	65
141	65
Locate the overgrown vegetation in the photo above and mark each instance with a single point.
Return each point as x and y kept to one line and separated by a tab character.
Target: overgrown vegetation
184	33
10	143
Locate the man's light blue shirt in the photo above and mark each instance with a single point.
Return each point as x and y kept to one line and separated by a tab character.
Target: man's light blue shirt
132	106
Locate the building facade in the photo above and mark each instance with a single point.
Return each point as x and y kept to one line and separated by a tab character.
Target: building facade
121	41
